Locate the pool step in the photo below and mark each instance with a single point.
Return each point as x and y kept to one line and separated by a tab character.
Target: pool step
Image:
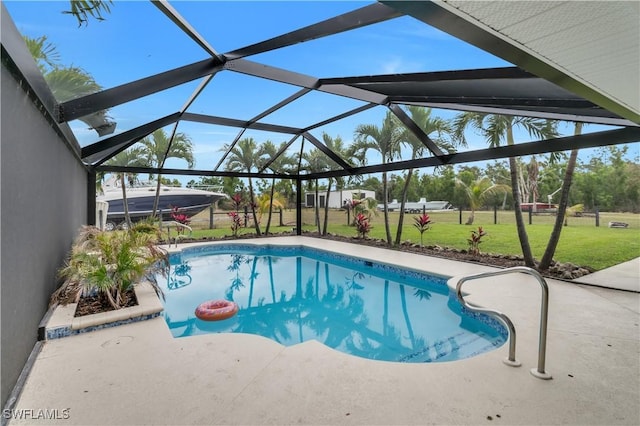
470	344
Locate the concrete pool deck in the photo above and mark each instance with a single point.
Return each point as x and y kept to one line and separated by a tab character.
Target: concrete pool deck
139	374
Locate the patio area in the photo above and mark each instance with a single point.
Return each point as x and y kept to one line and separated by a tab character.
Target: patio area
140	374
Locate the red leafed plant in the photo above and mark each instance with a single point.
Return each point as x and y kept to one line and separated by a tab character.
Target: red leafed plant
237	200
180	218
475	240
362	225
422	223
236	223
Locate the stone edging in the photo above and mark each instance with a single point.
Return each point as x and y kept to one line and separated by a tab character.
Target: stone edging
62	322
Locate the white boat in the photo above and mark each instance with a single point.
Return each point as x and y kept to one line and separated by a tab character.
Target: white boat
140	198
418	206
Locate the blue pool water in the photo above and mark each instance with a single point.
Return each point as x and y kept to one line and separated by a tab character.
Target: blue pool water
294	294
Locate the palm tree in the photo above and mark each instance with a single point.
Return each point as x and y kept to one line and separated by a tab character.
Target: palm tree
129	158
496	129
477	192
386	141
67	83
279	164
82	10
266	202
547	257
245	156
158	147
316	161
336	145
422	117
43	52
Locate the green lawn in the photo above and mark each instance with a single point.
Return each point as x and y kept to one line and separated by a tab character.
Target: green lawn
581	242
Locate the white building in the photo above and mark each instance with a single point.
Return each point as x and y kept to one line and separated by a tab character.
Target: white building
337	199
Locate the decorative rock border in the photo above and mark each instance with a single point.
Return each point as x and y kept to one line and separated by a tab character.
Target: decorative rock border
62	323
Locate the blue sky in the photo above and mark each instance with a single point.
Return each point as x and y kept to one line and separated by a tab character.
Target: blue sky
136	40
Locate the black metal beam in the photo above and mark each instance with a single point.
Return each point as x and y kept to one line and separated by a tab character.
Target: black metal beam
500	73
256	69
364	16
86	105
280	104
232	122
104	156
224	156
298	206
354	93
205	81
340	117
91	197
128	136
329	153
548	115
444	17
182	23
416	130
281	151
590	140
498	101
191	172
280	75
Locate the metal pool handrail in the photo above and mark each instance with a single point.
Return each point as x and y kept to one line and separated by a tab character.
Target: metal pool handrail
177	225
542	346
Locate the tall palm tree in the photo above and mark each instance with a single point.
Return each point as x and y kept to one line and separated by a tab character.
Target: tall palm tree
280	164
316	161
245	156
477	192
158	147
547	257
386	141
132	157
336	145
67	82
422	117
499	128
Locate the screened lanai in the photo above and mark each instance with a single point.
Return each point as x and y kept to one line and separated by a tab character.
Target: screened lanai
285	72
221	72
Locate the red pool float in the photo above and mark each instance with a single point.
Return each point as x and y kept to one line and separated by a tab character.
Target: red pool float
216	310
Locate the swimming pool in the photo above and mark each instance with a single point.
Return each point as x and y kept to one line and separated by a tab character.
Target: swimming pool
292	294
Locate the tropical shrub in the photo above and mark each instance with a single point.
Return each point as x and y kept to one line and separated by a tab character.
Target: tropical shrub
110	264
475	240
366	207
362	225
236	199
422	223
236	223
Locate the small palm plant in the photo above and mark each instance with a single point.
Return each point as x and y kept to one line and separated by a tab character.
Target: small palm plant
367	206
110	264
475	240
422	223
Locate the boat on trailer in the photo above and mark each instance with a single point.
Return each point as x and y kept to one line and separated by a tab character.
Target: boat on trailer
141	196
418	206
